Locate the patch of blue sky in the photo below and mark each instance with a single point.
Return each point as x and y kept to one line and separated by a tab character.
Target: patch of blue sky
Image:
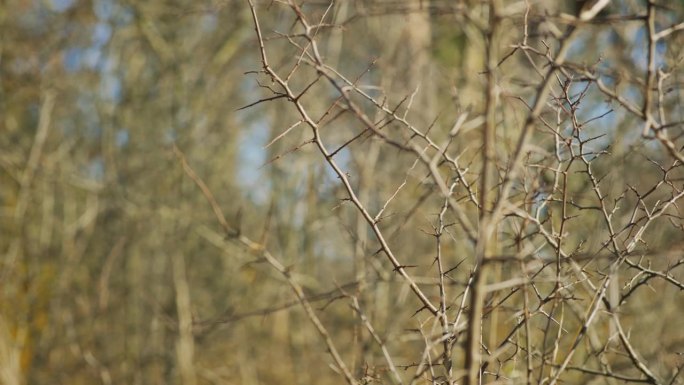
605	67
61	5
342	159
209	22
95	169
251	155
91	57
111	89
538	206
102	32
85	103
251	159
627	127
72	59
170	136
604	39
661	51
639	53
298	218
108	64
633	94
103	9
93	131
592	104
121	137
326	248
578	46
123	16
654	146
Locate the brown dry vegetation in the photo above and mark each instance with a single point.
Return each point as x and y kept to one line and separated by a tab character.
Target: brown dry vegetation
277	192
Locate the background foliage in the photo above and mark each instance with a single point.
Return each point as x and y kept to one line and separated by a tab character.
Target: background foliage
124	143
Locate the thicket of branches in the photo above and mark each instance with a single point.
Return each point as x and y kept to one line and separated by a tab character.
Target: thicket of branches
442	192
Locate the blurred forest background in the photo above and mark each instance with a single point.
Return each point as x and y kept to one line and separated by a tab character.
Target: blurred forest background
138	198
